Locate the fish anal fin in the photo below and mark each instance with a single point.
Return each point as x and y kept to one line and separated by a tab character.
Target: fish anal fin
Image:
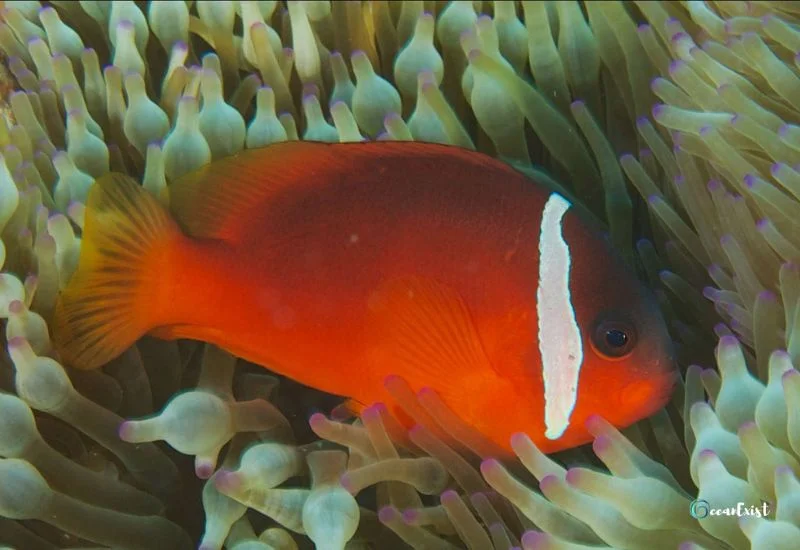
354	407
348	409
429	337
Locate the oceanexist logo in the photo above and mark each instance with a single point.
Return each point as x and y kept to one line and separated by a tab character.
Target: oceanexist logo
700	509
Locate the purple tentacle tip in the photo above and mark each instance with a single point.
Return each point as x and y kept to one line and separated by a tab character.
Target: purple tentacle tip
707	453
390	116
125	430
16	342
767	296
534	539
204	469
489	465
427	391
601	444
387	514
676	65
317	419
573	476
371	413
449	496
789	375
410	516
594	422
226	481
548	482
782	353
729	341
748	426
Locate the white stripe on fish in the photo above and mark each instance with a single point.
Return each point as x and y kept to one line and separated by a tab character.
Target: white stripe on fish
560	343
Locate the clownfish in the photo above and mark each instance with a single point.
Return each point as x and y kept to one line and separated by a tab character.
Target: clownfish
339	265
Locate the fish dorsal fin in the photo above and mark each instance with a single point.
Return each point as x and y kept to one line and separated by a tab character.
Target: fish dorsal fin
426	333
218	200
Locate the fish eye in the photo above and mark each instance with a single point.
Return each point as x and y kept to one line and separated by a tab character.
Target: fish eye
614	337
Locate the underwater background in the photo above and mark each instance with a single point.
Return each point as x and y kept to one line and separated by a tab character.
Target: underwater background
677	123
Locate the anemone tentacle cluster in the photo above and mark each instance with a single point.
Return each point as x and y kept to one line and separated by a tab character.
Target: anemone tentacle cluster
679	121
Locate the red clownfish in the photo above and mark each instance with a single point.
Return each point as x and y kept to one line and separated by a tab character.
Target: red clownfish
338	265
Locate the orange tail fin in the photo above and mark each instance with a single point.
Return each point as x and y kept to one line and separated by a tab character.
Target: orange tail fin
113	297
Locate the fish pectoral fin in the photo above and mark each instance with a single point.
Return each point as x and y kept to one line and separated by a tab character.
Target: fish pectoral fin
427	334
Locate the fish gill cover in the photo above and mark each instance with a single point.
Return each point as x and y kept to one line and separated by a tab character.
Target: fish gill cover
676	122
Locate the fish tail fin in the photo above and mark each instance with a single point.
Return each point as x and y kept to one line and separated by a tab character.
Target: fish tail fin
113	298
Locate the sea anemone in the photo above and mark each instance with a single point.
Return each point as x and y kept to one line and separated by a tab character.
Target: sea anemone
678	123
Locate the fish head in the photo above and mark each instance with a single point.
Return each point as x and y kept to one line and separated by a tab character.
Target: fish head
629	357
629	370
602	341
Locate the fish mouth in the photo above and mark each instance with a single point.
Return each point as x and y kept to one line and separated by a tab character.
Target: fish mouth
650	395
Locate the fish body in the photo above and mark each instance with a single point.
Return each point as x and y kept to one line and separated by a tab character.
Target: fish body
339	265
